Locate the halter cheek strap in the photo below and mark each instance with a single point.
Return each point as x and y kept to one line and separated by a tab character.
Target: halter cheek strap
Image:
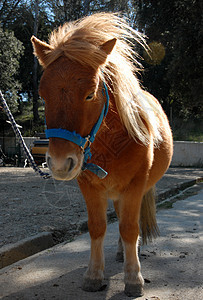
84	142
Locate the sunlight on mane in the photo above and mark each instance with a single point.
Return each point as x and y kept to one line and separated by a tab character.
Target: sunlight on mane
81	41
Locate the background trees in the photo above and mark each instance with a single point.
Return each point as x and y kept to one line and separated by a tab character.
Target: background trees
10	51
176	25
173	73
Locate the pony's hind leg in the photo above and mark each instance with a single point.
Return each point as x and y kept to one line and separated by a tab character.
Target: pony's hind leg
129	229
96	207
119	253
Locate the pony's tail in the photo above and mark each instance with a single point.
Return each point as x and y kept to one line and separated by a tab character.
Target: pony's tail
148	225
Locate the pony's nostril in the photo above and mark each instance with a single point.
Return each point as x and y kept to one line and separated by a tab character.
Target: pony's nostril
70	163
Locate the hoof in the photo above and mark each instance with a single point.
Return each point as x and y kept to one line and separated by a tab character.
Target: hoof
134	290
119	257
92	285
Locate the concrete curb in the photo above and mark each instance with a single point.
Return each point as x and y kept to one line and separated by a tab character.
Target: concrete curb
12	253
179	187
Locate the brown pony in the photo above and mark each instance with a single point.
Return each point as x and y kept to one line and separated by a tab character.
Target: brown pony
133	143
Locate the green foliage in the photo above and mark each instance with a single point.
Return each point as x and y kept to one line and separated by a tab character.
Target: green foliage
10	51
173	71
177	80
22	24
188	130
185	68
69	10
25	119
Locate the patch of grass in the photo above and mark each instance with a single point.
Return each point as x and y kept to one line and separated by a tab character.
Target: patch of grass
190	130
26	120
165	205
188	136
191	191
21	119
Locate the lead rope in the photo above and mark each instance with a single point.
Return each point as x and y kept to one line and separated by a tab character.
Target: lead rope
21	140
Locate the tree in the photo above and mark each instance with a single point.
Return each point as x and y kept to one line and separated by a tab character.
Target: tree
7	10
10	51
185	69
69	10
176	79
26	19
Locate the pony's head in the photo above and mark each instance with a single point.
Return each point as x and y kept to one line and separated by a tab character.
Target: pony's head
79	56
74	99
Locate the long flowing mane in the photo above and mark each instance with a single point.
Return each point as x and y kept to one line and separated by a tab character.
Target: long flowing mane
81	40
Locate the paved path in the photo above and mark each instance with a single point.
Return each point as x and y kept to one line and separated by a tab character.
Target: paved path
171	265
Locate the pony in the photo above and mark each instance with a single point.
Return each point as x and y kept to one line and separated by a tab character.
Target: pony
107	131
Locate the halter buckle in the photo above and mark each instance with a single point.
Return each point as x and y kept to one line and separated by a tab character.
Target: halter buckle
87	143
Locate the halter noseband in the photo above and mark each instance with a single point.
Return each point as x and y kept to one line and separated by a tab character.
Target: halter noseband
84	142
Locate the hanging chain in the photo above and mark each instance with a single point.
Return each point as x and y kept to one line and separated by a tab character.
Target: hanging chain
21	139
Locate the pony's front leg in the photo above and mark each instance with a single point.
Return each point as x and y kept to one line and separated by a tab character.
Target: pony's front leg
129	230
96	207
94	275
119	254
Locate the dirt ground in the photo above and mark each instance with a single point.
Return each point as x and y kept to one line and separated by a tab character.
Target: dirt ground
30	204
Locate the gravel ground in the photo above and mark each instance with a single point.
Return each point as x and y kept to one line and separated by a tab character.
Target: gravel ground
30	205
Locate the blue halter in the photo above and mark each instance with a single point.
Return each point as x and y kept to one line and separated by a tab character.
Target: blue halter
84	142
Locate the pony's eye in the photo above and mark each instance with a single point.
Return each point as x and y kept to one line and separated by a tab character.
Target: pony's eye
89	97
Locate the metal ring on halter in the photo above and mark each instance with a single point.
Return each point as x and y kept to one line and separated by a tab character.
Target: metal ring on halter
87	144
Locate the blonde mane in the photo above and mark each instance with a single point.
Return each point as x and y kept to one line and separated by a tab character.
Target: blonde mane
81	41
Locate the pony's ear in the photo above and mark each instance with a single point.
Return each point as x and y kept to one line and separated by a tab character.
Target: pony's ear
108	46
41	50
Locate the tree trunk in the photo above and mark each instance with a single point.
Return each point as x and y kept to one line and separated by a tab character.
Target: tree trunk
35	67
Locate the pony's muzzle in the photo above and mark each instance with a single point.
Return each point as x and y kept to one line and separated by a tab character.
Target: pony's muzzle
63	169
